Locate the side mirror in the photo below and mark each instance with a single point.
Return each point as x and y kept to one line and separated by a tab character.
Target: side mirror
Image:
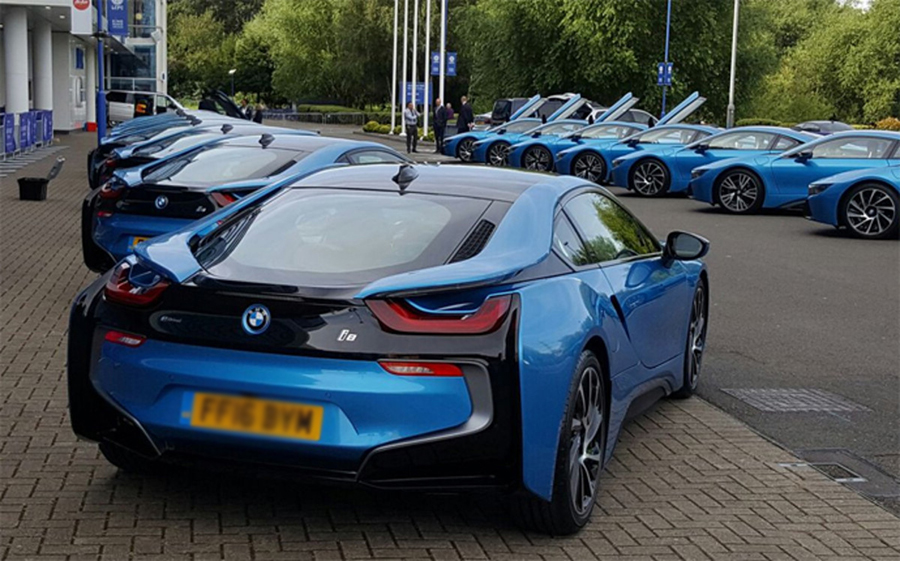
803	156
683	246
632	142
535	135
701	148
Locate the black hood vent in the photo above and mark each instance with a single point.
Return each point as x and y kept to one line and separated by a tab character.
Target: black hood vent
476	241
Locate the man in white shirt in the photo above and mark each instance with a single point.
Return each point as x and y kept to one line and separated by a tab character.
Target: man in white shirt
411	122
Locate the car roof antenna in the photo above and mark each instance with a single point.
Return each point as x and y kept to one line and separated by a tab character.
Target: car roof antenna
226	128
405	176
266	139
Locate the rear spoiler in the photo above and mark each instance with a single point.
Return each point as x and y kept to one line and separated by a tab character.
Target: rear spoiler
504	256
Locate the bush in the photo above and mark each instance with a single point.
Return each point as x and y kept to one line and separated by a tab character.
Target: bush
888	124
371	126
862	127
753	121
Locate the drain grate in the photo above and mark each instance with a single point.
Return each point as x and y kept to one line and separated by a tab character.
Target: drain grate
777	400
839	473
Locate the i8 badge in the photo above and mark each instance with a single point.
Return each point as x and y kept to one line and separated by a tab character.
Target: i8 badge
256	319
161	202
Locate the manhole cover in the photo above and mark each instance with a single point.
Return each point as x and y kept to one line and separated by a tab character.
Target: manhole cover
777	400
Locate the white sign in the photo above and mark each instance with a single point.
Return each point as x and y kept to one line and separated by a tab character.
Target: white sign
82	17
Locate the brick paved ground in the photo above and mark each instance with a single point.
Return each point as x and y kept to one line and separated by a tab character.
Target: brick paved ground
687	482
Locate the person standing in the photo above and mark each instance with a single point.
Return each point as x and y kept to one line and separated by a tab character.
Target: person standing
411	121
466	119
440	124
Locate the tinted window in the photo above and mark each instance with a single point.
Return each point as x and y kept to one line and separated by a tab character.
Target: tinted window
517	126
560	128
609	230
667	136
785	143
305	237
742	141
175	142
212	165
116	97
608	131
854	148
374	157
896	155
567	242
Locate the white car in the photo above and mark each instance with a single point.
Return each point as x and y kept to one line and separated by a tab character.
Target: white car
125	105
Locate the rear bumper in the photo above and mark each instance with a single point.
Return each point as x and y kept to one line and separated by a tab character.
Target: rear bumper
378	429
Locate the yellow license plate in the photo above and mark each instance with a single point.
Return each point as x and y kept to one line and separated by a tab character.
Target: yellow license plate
138	239
256	416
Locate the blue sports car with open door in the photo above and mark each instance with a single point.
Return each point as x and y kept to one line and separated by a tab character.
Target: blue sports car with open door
864	202
145	201
435	327
668	170
460	145
746	185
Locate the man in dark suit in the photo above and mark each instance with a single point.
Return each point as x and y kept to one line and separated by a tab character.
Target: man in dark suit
466	119
440	124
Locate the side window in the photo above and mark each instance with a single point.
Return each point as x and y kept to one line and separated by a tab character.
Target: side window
785	143
567	242
374	157
853	148
896	155
698	135
609	230
742	141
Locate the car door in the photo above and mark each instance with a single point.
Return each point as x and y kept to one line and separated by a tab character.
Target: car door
721	146
652	298
795	170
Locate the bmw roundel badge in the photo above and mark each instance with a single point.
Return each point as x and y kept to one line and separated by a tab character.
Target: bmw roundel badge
161	202
256	319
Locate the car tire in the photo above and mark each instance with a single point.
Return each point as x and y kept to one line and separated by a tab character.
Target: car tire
570	509
497	153
739	191
465	149
128	461
537	158
696	341
649	177
589	165
871	211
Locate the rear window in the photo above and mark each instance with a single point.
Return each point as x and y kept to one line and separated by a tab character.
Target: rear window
180	141
324	237
212	165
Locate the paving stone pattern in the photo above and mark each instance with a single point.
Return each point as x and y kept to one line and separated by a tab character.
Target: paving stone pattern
687	482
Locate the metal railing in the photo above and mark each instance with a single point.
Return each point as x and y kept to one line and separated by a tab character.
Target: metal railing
320	118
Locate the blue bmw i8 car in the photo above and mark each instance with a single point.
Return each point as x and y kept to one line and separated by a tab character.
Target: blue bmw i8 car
165	144
474	328
668	170
156	198
746	185
864	202
493	150
592	160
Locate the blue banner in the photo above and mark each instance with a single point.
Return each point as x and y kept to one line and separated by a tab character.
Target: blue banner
436	63
451	63
23	130
664	74
32	128
420	93
9	133
117	17
48	126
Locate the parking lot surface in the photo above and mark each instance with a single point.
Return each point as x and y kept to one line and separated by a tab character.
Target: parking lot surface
688	481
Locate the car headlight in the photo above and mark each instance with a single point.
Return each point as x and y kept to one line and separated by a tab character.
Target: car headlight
816	188
697	172
618	161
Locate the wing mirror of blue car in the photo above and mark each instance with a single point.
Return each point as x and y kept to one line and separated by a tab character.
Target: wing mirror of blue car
803	156
632	142
684	246
701	148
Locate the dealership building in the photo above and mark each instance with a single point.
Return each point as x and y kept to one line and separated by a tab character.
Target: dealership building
48	55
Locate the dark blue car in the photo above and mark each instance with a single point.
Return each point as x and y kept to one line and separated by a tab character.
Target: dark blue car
436	327
149	200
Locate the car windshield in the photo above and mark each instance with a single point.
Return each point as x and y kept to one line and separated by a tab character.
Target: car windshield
666	136
302	238
606	131
515	126
558	128
212	165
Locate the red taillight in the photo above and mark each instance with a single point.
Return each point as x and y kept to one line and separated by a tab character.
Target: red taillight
103	214
111	190
421	368
399	316
127	339
223	199
120	289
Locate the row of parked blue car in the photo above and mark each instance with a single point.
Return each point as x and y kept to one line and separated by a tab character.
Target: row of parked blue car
850	179
154	175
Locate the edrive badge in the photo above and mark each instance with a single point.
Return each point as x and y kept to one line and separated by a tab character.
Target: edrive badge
256	319
161	202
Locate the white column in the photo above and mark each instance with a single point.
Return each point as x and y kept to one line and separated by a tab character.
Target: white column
415	48
43	64
15	51
427	57
405	75
443	50
90	83
394	72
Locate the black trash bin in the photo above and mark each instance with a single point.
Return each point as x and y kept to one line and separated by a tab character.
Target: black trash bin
33	188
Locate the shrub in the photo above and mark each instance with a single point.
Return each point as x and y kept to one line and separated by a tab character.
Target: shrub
888	124
371	126
862	127
753	121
